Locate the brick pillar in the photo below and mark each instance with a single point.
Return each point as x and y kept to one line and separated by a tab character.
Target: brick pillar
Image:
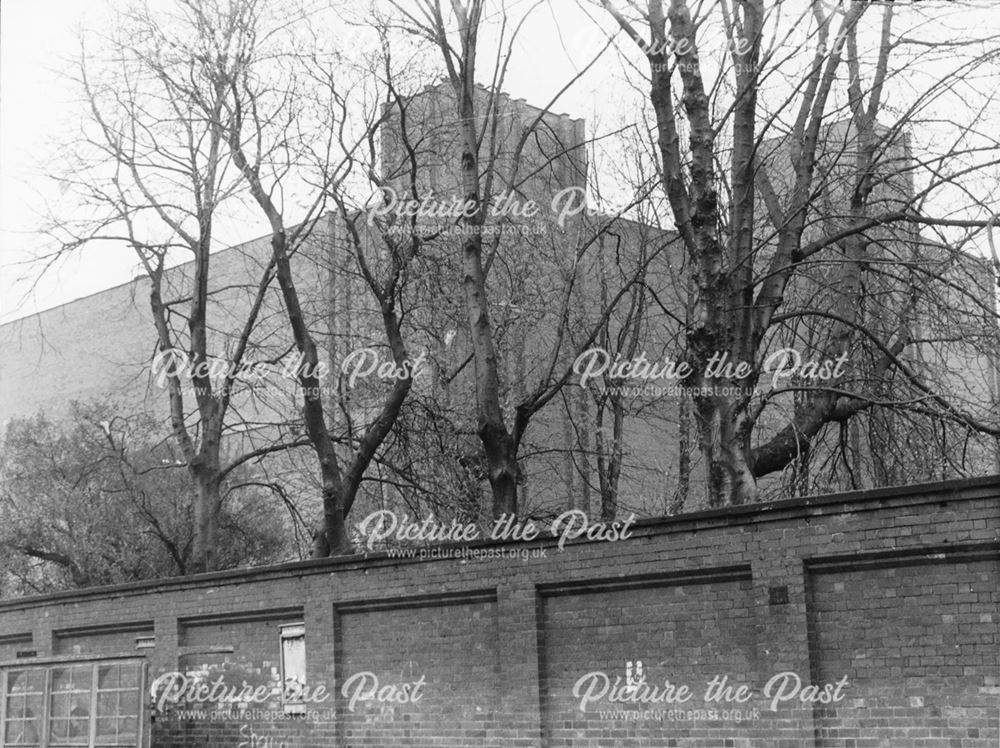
518	718
163	658
42	640
320	646
780	605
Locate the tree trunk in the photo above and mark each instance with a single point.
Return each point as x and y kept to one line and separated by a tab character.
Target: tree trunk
208	503
610	460
684	456
498	444
332	538
723	435
501	462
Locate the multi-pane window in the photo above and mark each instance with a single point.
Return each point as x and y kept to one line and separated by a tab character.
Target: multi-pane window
24	695
91	704
70	705
118	705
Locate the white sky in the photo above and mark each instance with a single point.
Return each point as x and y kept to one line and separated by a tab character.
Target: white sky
33	99
38	105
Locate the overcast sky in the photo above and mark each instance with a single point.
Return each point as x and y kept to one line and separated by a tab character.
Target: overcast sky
38	104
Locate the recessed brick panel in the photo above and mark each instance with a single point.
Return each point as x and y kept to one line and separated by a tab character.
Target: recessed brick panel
450	650
684	634
113	639
920	645
11	644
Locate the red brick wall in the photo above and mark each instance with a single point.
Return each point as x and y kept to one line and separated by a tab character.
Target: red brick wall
452	669
101	639
678	631
895	591
920	644
11	644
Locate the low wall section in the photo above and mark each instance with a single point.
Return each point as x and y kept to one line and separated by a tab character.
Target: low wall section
869	619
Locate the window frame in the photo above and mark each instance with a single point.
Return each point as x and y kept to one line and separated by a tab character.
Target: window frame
48	665
288	632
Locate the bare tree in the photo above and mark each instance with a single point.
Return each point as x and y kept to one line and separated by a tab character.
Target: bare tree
745	144
153	170
483	175
291	124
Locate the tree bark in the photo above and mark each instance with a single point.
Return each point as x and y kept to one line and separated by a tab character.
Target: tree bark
498	443
206	474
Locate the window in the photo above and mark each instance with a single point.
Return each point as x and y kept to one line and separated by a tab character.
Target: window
118	704
89	704
70	705
293	666
23	697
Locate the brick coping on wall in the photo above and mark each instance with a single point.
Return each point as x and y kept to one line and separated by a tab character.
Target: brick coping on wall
966	489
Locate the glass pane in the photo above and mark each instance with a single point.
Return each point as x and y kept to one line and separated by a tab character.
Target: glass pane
129	675
36	680
60	679
17	681
13	733
15	707
79	731
60	705
81	705
128	703
59	729
293	654
128	726
33	706
107	704
107	677
107	727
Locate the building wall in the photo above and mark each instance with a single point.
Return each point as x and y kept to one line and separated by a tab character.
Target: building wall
895	591
103	345
55	356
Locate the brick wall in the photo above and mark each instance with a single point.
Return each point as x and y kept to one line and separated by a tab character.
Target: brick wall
893	595
918	641
104	638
